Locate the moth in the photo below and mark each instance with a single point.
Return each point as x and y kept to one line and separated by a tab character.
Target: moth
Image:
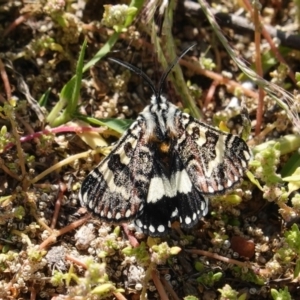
163	168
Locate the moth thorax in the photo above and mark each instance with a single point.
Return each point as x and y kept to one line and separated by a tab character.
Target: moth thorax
164	147
163	154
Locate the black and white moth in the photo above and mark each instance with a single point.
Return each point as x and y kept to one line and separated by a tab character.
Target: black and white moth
163	168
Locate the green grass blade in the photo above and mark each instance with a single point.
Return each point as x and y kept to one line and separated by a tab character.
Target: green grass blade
118	125
72	105
69	95
103	51
44	98
291	165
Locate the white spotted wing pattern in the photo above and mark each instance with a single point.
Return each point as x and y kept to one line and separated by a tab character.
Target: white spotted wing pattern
163	168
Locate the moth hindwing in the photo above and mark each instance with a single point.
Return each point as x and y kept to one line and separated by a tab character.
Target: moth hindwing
163	168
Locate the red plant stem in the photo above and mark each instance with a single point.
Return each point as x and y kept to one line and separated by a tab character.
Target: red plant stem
210	93
259	70
62	189
33	293
5	80
76	261
132	240
60	129
52	238
267	36
160	289
15	23
119	296
169	288
218	257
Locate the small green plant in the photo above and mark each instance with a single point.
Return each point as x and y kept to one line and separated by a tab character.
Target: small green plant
140	253
266	162
206	62
281	294
228	293
95	282
190	298
19	212
118	16
35	254
247	275
292	237
209	279
161	252
285	255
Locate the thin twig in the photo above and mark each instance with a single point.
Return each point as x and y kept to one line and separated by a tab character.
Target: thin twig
75	260
32	293
5	80
160	288
26	125
256	270
119	296
259	70
64	162
40	221
15	23
169	288
8	171
21	234
132	240
146	280
231	85
62	189
56	233
218	257
262	135
210	93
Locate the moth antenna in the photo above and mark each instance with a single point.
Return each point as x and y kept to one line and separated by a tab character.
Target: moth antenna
136	71
165	75
156	92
